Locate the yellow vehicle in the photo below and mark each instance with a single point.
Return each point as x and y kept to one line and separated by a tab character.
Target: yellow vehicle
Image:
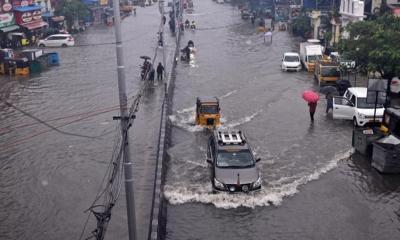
207	112
326	72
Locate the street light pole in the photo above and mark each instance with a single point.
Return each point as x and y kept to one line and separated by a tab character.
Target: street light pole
123	103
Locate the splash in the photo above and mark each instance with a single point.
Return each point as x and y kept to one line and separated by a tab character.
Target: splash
271	194
239	122
228	94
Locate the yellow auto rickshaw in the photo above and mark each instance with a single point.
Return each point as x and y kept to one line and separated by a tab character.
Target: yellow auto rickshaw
207	112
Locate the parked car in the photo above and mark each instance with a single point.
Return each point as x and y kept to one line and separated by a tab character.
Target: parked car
291	62
232	163
57	40
353	105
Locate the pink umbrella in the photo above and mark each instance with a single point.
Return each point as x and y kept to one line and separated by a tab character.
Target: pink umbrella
310	96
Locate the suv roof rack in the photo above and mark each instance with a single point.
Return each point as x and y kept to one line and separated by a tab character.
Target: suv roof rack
230	137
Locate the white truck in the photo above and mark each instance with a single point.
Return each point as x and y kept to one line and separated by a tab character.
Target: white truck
310	52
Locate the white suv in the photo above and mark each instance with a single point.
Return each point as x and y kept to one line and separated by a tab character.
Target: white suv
353	106
291	62
57	40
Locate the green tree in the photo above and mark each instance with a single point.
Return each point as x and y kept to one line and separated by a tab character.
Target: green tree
375	45
72	10
301	26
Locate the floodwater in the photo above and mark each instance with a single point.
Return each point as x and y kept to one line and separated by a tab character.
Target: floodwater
314	186
48	179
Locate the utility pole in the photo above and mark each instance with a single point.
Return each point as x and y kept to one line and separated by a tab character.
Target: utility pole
123	103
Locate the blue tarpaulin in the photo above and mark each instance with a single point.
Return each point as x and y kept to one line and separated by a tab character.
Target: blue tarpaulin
27	8
89	2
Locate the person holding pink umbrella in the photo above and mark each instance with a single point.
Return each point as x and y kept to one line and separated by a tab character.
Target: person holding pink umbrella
312	98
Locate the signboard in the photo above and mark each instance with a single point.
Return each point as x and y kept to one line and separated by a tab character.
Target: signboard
28	17
19	3
6	19
376	91
378	85
103	2
5	6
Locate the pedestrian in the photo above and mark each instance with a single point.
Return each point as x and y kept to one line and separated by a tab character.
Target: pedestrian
160	70
164	18
312	107
151	75
160	39
252	18
329	102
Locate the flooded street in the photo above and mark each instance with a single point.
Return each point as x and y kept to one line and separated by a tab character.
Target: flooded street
313	187
48	179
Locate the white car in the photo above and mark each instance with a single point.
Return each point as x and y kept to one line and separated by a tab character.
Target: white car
57	40
291	62
354	106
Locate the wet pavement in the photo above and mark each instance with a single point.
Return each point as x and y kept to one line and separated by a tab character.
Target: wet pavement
314	187
48	179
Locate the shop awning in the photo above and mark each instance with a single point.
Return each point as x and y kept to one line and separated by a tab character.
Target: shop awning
9	28
27	8
34	25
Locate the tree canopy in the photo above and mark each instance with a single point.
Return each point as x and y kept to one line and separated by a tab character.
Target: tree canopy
301	25
375	45
73	10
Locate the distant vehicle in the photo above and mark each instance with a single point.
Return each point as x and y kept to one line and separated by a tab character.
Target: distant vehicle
291	62
57	40
353	106
232	163
310	52
326	72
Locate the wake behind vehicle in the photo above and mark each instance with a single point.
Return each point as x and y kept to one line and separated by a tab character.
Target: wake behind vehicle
57	40
208	112
353	106
231	162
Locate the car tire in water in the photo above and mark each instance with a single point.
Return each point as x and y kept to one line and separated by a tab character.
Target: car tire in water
64	45
42	45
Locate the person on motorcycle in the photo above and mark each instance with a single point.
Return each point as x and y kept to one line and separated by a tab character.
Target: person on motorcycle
187	23
193	25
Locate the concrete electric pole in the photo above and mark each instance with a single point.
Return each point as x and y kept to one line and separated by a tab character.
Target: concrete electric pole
130	201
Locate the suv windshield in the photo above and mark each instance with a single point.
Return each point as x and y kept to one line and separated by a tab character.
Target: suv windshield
209	109
235	159
292	59
362	103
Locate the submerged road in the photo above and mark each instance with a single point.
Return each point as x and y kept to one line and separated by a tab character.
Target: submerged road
49	179
313	187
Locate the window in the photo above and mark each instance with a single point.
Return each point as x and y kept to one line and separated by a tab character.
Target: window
330	72
209	109
353	100
292	59
235	159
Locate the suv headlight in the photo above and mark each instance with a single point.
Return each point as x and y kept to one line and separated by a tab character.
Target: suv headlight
218	184
360	115
257	183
